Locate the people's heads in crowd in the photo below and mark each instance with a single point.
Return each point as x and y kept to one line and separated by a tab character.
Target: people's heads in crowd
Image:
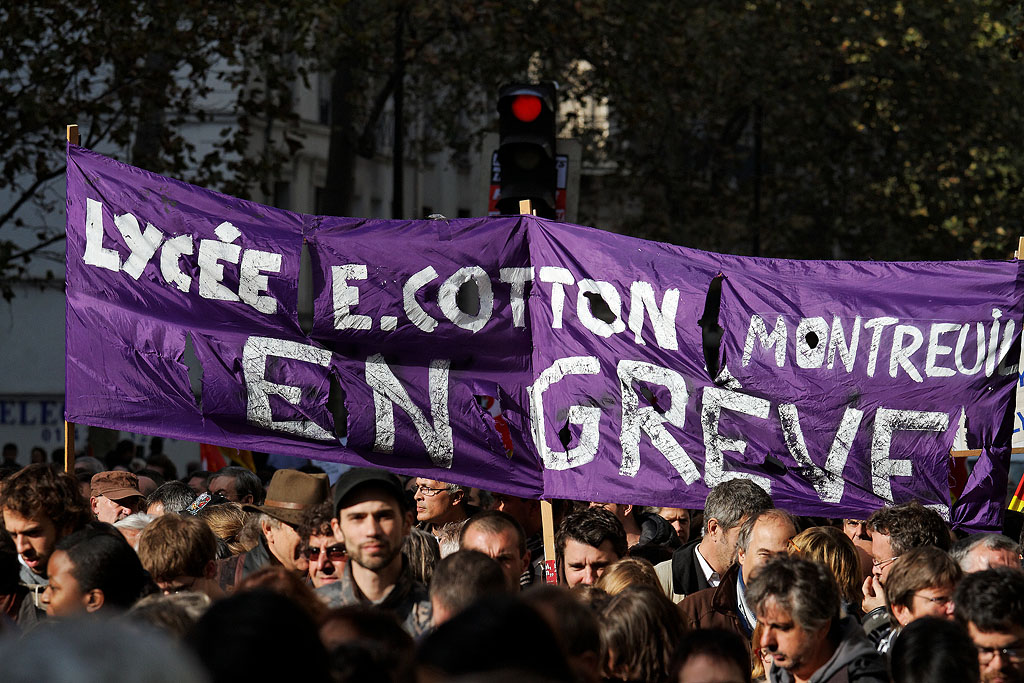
990	604
92	570
576	626
289	495
897	529
286	583
40	506
324	553
131	527
447	536
180	553
526	511
629	571
198	481
439	503
679	519
163	465
77	651
461	579
762	536
175	613
499	536
986	551
149	482
933	649
237	485
236	528
727	506
10	452
37	455
114	495
712	654
640	628
368	644
496	633
920	584
859	531
422	551
172	496
372	520
833	548
586	543
796	601
258	635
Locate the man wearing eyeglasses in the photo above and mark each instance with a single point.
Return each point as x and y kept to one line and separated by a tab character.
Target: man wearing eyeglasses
990	604
438	503
894	531
920	584
325	554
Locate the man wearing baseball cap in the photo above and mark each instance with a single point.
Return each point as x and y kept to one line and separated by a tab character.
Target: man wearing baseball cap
114	495
372	521
289	495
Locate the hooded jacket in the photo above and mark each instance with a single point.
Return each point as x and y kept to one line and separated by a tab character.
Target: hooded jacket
855	659
655	530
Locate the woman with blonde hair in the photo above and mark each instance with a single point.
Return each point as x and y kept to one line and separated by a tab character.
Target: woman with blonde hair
831	547
629	571
229	523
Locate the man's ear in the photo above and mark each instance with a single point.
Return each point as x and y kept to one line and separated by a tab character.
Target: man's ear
458	496
247	499
210	571
336	528
526	561
93	600
92	505
739	555
410	520
711	527
902	614
627	510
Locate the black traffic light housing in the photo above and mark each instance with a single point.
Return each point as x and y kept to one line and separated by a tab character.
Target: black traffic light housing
526	150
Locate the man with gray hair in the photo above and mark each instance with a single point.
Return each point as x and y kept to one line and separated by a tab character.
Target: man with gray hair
979	552
798	608
439	503
764	535
701	563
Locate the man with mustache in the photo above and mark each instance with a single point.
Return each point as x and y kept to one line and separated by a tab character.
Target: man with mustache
372	520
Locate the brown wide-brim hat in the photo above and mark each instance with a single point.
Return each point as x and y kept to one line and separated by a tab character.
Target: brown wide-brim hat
291	493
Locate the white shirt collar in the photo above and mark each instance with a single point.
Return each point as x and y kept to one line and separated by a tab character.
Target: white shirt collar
713	577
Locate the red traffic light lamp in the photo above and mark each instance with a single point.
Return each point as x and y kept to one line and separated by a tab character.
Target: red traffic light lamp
526	150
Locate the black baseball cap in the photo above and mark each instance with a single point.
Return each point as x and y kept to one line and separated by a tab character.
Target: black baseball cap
364	476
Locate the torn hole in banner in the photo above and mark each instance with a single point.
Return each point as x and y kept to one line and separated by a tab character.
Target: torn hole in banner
195	370
305	290
599	308
336	407
711	331
499	436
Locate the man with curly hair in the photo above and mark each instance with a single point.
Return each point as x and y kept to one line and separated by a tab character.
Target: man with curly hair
40	506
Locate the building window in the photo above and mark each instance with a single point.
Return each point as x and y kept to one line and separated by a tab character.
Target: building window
283	194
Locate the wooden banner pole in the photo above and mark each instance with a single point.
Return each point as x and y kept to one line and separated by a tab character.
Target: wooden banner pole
547	515
69	427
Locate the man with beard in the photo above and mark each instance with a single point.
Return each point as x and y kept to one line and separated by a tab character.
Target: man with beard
40	506
990	604
372	520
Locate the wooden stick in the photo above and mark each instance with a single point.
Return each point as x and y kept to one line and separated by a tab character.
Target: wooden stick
547	521
1020	248
69	427
547	515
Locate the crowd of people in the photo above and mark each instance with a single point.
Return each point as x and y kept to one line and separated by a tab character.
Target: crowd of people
109	574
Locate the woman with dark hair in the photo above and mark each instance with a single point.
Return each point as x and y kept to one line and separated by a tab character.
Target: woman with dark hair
93	570
640	628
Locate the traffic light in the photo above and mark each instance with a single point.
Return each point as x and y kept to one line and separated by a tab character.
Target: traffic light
526	150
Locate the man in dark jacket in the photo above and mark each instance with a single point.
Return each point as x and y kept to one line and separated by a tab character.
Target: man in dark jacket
701	563
798	607
763	536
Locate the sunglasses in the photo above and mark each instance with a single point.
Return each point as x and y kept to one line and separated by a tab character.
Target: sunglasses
335	553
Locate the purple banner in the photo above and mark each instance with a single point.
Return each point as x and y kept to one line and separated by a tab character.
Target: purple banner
535	358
